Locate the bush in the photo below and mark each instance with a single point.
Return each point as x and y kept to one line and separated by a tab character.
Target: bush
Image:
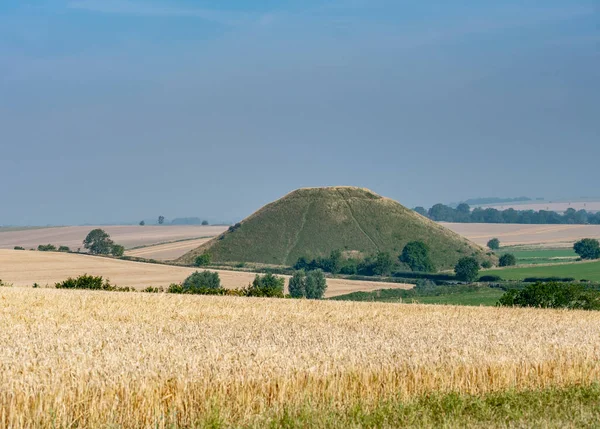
19	248
268	285
588	248
467	269
416	255
548	279
91	283
200	281
202	260
64	249
552	295
486	264
508	260
46	248
494	244
490	279
117	250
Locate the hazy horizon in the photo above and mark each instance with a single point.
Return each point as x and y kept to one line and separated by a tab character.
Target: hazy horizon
117	110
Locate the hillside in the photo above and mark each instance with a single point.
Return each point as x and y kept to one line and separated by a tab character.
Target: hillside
312	222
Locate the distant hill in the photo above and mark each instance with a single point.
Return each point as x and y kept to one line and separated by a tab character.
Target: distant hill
312	222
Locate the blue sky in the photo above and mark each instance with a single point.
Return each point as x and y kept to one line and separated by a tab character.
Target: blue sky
117	110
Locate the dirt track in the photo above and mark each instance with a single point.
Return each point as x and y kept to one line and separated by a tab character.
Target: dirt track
23	268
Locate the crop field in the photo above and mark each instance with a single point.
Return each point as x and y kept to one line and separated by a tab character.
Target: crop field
167	251
24	268
529	256
577	270
128	236
102	359
517	234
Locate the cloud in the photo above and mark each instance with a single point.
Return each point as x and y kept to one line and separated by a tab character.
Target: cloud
137	8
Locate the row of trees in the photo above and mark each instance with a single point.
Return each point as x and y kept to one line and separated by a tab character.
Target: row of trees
463	214
180	221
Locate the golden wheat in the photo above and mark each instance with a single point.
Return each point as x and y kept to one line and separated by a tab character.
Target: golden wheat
89	359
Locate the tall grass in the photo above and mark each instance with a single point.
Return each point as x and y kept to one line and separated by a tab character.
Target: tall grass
96	359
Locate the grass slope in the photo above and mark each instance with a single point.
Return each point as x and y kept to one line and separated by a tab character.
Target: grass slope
314	221
579	271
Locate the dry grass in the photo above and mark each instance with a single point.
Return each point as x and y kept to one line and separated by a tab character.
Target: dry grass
167	251
24	268
516	234
93	359
128	236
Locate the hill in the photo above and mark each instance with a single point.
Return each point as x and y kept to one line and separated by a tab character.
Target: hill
312	222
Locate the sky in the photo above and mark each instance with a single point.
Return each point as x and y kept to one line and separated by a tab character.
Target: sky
119	110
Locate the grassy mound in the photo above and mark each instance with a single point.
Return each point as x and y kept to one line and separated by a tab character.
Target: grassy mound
312	222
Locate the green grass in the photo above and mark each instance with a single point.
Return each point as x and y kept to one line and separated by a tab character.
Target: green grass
586	270
313	222
541	256
573	407
449	295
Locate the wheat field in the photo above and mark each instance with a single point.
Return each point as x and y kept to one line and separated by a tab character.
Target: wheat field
101	359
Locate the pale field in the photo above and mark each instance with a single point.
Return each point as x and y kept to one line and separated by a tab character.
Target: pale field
24	268
517	234
560	207
128	236
107	359
167	251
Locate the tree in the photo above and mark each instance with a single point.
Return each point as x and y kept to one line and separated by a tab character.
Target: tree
161	220
507	260
421	211
588	248
467	269
297	284
416	255
204	222
117	250
64	249
202	260
383	264
311	285
266	286
142	223
98	242
334	263
201	280
494	244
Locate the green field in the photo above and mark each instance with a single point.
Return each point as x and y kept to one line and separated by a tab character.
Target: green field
579	271
540	256
448	295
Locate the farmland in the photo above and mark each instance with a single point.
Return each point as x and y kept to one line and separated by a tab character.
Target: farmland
23	268
578	270
517	234
529	256
128	236
92	359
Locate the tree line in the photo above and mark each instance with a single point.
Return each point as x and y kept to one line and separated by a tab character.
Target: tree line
463	214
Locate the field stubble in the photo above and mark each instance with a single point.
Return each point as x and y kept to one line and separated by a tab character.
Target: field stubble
93	359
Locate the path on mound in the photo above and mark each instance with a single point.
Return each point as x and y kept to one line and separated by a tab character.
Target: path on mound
23	268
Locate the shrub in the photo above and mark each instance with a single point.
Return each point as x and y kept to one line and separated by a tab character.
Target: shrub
494	244
19	248
508	260
486	264
46	248
235	227
490	279
151	289
200	281
90	282
548	279
202	260
416	255
117	250
267	285
588	248
552	295
467	269
64	249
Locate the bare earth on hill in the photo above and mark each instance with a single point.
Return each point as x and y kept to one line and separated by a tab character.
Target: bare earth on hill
517	234
125	235
23	268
